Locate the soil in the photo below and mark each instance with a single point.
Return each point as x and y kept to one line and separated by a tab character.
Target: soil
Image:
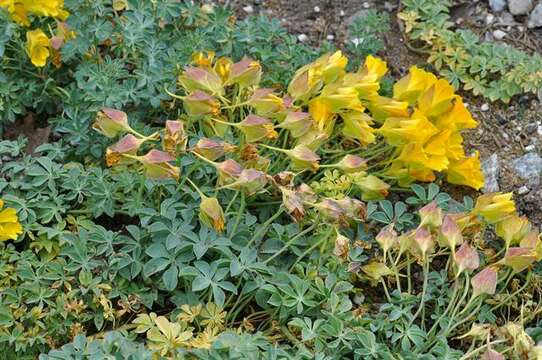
509	130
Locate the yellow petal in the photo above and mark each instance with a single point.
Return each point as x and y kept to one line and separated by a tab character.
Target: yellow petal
467	172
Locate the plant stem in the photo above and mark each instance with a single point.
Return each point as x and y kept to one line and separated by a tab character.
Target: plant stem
265	226
424	290
290	242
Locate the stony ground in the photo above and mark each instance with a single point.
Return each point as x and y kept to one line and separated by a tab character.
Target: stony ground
510	135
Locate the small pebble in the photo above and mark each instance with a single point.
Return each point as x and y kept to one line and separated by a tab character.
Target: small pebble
302	37
341	14
484	107
521	28
489	19
330	37
366	5
317	9
529	148
499	34
248	9
523	190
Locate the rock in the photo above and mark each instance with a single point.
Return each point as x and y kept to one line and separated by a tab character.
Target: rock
491	168
529	147
317	9
539	130
520	7
489	19
248	9
523	190
484	107
330	37
342	13
535	19
529	167
366	5
506	19
497	5
499	34
302	37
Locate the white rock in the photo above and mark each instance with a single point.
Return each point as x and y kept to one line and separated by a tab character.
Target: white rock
317	9
366	5
489	19
341	13
330	37
529	147
499	34
529	167
491	168
523	190
302	37
248	9
484	107
539	130
535	19
520	7
497	5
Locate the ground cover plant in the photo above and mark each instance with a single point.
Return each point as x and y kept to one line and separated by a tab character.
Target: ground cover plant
253	199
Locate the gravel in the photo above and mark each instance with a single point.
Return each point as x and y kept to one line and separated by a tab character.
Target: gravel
520	7
535	19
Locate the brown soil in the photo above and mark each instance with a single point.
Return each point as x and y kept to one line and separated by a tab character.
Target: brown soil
505	129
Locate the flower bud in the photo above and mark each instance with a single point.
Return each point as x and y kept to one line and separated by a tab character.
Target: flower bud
519	258
297	122
423	239
246	72
492	355
466	258
305	82
353	208
250	181
450	233
200	103
303	158
431	215
342	246
157	165
195	78
485	282
494	207
175	138
212	149
129	144
372	188
313	139
211	213
228	171
293	203
387	238
256	128
352	164
111	122
513	229
265	102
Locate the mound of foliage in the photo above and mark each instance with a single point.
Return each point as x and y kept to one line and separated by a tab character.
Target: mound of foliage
195	207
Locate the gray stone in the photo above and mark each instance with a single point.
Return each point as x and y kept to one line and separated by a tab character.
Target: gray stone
302	37
497	5
506	19
529	167
523	190
491	168
248	9
520	7
484	107
535	19
499	34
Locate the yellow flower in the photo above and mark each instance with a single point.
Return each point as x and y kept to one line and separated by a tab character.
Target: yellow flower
374	66
357	125
19	9
37	47
383	107
10	228
495	207
513	229
454	148
203	59
333	66
410	87
415	153
466	171
457	118
404	130
437	99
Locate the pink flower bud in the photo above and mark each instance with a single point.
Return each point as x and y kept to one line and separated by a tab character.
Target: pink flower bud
129	144
297	122
250	181
175	138
266	102
492	355
256	128
157	165
303	158
431	215
519	258
196	78
485	282
200	103
352	164
246	72
423	239
111	122
372	188
332	211
211	213
228	171
353	208
387	238
450	233
466	258
212	149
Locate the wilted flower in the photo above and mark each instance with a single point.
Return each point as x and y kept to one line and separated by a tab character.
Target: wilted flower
246	72
431	215
303	158
376	270
293	202
111	122
297	122
353	208
387	238
332	211
466	258
532	241
450	233
372	188
342	246
199	103
424	240
492	355
196	78
485	282
519	258
495	207
37	47
175	138
211	213
212	149
351	164
256	128
129	144
10	227
513	228
157	164
284	178
477	332
250	181
266	102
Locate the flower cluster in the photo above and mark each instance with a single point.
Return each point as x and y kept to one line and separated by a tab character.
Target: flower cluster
39	46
